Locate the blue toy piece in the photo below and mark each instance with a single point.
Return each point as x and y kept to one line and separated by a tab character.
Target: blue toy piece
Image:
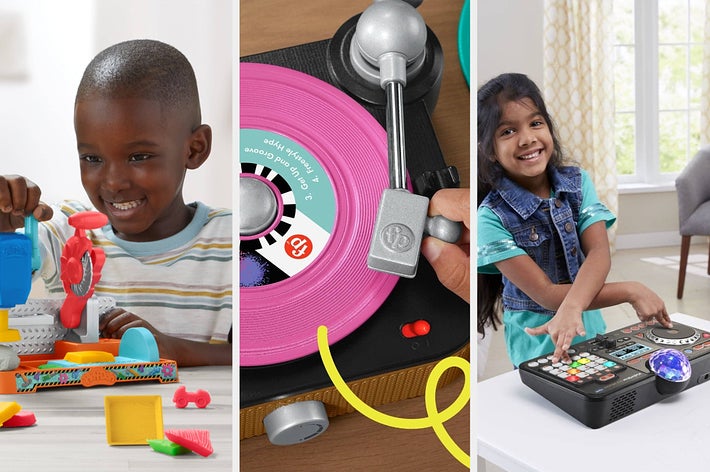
15	269
139	344
15	278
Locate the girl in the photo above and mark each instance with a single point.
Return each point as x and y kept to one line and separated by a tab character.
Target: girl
541	231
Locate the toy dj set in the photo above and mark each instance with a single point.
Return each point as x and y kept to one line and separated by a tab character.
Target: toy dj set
55	342
338	159
612	376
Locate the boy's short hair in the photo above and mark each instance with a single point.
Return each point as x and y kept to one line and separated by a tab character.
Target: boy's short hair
143	68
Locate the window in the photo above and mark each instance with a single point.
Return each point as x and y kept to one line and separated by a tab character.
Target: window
657	79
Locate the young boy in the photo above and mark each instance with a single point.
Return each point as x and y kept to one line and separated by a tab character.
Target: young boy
168	264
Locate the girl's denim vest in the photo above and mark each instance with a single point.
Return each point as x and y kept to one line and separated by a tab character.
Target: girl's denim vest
546	229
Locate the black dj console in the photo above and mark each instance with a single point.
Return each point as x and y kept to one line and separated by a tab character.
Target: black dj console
609	377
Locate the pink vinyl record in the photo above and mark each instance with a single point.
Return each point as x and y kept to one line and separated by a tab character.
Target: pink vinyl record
318	163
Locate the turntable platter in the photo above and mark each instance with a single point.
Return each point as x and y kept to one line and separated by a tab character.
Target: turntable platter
676	336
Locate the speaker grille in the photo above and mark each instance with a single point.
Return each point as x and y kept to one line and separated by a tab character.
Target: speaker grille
623	405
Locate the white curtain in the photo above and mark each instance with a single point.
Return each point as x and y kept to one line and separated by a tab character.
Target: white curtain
579	87
705	96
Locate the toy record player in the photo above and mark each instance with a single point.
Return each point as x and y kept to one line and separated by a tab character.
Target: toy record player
320	135
612	376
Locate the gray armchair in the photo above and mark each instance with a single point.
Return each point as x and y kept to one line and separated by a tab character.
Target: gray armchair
693	186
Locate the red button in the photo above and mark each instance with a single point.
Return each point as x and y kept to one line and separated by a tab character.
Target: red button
415	329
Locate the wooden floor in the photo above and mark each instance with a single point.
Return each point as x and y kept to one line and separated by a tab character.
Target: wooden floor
355	443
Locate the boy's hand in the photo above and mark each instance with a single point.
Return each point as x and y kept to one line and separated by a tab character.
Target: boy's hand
19	197
185	352
562	329
114	324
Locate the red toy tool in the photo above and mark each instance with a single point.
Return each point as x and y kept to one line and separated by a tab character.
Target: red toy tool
81	265
196	440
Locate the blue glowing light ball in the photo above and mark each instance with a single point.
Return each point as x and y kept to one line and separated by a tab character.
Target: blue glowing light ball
671	365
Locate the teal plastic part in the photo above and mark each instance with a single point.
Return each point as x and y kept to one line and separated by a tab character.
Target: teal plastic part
464	40
31	232
139	343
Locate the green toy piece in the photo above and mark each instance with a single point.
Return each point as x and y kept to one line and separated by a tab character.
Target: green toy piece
168	447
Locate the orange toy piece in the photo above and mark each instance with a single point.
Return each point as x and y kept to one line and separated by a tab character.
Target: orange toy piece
98	376
40	371
81	265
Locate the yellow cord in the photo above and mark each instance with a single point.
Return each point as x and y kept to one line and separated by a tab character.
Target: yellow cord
434	420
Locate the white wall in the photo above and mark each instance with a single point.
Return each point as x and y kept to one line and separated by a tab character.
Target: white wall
36	115
509	38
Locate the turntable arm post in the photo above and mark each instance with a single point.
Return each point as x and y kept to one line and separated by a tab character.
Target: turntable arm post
391	34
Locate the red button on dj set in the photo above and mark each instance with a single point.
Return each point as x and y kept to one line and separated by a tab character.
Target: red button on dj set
416	328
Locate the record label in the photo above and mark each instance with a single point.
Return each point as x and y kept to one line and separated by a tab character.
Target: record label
305	216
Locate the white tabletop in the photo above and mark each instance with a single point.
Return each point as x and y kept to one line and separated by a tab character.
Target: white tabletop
70	433
519	430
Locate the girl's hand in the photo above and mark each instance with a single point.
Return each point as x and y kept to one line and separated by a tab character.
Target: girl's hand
562	328
19	197
648	305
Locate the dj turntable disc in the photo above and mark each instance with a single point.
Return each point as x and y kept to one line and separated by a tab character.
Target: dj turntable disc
316	164
676	336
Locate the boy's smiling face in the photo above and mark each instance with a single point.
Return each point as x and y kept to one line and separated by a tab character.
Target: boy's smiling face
133	158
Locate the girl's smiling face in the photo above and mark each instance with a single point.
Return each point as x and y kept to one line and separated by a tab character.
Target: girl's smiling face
523	145
133	158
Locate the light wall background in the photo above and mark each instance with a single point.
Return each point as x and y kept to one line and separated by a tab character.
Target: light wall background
60	38
509	39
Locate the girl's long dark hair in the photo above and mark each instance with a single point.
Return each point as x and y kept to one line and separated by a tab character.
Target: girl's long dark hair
491	98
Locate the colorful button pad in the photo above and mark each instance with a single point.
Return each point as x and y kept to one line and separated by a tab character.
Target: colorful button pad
582	368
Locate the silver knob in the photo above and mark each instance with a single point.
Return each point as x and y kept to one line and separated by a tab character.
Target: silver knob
296	423
257	206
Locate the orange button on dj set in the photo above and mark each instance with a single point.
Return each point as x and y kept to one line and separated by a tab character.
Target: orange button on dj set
415	329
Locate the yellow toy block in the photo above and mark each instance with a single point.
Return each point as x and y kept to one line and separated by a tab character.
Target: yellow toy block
7	335
89	357
133	419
